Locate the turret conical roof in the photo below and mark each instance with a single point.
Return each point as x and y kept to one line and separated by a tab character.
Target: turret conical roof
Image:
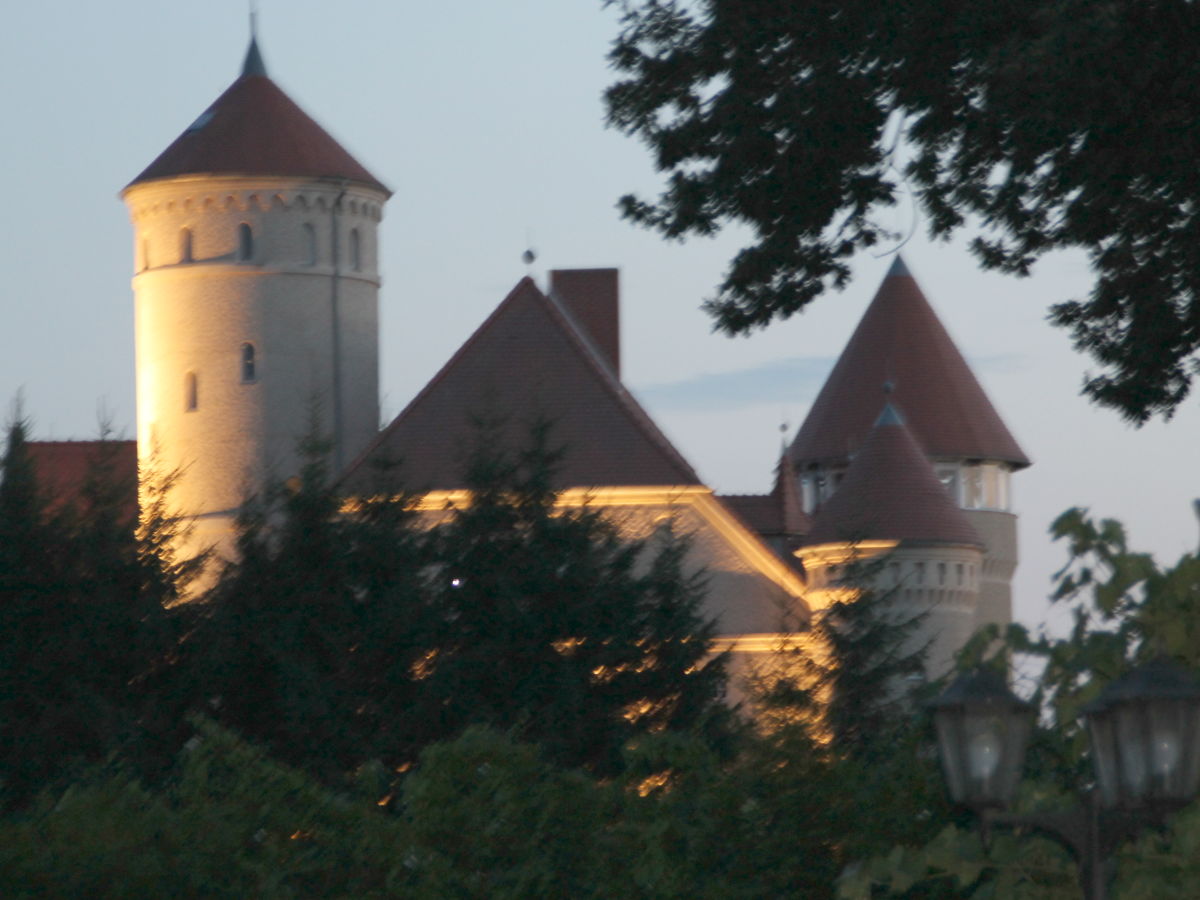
254	128
901	343
890	492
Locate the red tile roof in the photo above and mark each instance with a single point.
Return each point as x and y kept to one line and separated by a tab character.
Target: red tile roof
254	128
777	513
901	341
62	469
527	362
890	492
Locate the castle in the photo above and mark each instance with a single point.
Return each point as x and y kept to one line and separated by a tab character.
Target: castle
256	299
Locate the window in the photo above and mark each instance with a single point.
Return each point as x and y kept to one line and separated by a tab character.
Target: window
941	574
310	244
920	568
355	250
185	245
245	251
249	372
191	397
948	475
145	254
959	571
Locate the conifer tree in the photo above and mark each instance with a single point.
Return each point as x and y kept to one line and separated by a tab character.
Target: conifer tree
556	626
80	629
301	643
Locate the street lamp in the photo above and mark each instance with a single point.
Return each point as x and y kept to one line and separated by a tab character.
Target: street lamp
1145	741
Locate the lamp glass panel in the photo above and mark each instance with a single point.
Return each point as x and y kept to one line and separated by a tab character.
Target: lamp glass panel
1104	755
1132	736
951	742
1190	779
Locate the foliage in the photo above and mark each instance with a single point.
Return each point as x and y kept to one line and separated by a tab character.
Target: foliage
305	642
1053	125
83	628
857	670
1127	610
342	635
554	624
229	822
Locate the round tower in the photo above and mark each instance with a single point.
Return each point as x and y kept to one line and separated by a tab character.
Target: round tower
901	343
891	508
256	300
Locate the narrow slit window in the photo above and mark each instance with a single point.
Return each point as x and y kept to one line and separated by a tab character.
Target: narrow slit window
249	364
310	244
245	243
191	393
185	245
355	250
145	255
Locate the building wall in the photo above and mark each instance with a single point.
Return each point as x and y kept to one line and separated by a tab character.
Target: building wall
305	303
998	529
937	584
756	599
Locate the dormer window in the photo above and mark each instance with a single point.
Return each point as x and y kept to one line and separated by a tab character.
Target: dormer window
245	248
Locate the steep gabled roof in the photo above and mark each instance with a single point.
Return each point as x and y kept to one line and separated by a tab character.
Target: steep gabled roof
62	469
526	363
890	492
254	128
901	342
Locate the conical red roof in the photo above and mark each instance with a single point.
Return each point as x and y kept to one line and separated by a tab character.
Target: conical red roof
901	342
890	492
254	128
527	362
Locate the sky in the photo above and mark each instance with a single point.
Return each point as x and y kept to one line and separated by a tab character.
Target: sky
487	121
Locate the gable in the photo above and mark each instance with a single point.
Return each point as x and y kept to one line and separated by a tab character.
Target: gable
526	364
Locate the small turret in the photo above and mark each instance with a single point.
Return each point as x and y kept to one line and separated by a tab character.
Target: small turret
892	507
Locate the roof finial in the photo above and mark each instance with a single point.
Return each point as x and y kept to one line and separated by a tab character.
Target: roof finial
254	64
898	268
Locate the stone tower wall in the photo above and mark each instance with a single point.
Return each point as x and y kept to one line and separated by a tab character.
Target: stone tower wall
998	529
938	583
204	293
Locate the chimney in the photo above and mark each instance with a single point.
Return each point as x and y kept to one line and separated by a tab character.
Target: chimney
591	296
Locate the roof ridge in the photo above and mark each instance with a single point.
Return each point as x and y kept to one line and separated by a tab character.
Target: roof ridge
429	386
606	372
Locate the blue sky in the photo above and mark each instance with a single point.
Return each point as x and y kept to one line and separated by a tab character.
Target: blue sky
486	120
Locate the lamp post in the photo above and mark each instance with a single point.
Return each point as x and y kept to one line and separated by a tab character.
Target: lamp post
1144	730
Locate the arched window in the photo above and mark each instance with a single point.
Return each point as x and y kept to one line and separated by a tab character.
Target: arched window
310	244
355	250
185	245
249	370
245	243
191	395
